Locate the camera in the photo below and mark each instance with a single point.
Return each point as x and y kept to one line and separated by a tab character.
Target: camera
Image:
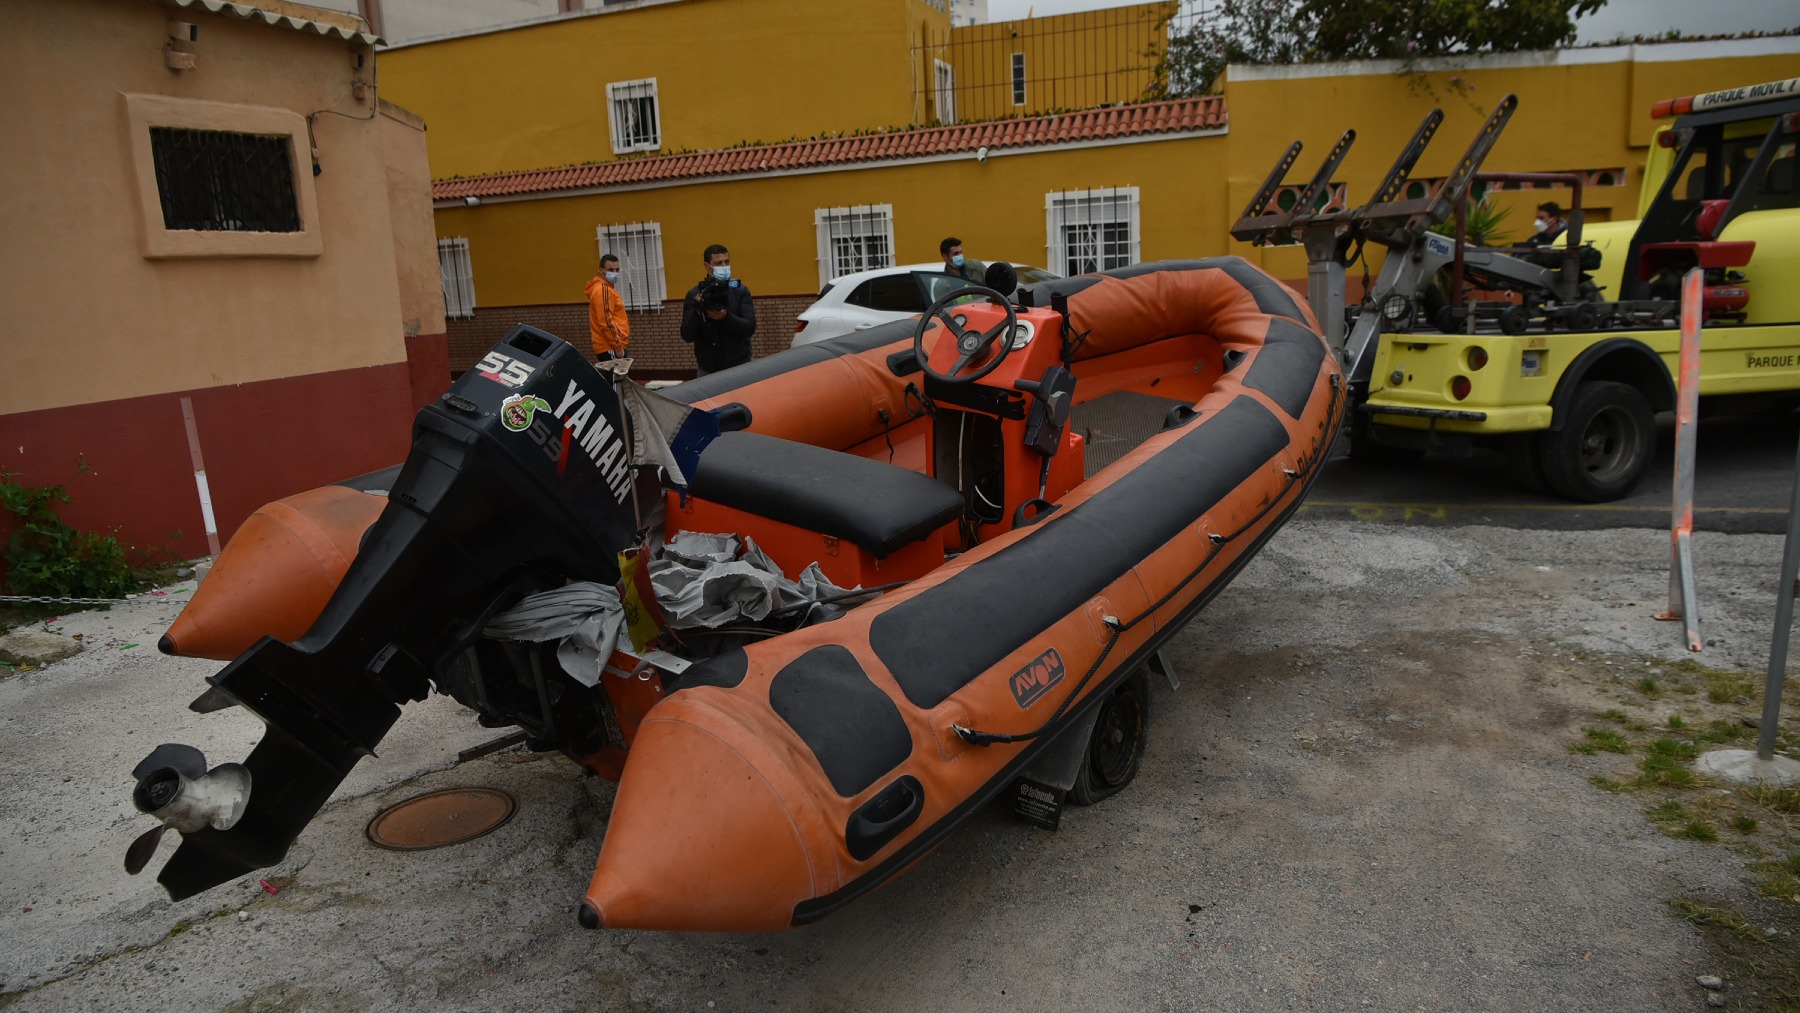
714	294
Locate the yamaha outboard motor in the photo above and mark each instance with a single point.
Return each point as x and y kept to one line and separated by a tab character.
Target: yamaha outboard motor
519	475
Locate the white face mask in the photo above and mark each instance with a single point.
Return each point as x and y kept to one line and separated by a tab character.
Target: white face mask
722	272
612	276
1541	225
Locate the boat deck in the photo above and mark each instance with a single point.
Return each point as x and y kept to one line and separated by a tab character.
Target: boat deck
1116	423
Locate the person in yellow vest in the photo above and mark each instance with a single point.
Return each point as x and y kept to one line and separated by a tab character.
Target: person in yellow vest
608	326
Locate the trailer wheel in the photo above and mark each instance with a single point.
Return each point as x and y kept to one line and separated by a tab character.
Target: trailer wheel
1604	446
1514	319
1116	747
1584	317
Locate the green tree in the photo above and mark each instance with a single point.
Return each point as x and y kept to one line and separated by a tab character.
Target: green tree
1202	41
1404	29
1235	31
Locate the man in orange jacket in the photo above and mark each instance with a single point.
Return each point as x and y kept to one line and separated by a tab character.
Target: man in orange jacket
608	327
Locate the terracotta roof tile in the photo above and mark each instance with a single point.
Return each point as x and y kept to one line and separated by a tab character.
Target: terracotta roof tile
1173	116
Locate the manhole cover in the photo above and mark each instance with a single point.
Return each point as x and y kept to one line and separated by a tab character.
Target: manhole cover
439	818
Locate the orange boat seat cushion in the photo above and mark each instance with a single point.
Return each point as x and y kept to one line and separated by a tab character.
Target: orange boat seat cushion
868	503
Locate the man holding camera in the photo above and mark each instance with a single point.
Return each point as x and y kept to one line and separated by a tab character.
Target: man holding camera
717	317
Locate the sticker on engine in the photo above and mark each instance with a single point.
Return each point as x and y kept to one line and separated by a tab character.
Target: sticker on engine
516	411
1038	677
503	369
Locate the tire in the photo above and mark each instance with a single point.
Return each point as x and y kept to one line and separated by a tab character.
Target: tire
1524	460
1604	446
1584	317
1365	451
1515	319
1116	747
1432	300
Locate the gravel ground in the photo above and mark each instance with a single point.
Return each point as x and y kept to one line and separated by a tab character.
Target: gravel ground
1362	797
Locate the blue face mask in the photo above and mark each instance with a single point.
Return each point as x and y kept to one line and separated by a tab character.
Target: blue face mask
722	272
956	261
612	276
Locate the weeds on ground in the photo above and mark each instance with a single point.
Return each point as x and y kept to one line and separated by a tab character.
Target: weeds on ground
1705	709
1601	740
46	558
1674	819
1762	966
1780	877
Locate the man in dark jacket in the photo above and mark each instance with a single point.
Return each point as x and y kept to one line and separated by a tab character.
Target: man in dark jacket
1549	225
972	271
717	317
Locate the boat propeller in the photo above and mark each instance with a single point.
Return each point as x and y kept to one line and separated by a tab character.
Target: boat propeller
175	787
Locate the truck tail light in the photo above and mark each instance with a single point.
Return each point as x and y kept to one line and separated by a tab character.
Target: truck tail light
1460	387
799	325
1478	358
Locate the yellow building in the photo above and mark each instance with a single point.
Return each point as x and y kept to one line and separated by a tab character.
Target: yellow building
218	278
803	185
692	75
1084	60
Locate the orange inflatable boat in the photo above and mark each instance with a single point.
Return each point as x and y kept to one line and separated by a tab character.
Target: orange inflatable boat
1029	491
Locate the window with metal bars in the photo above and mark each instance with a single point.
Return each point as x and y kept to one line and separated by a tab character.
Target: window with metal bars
851	239
642	282
219	181
945	91
636	120
1018	79
457	277
1092	230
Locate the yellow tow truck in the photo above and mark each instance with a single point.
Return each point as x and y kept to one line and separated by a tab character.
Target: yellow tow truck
1565	377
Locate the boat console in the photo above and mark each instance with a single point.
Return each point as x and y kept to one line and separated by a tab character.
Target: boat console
992	379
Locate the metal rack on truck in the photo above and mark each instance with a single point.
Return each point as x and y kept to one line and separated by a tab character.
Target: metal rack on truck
1564	373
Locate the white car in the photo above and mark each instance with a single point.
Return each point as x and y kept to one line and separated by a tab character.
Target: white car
859	301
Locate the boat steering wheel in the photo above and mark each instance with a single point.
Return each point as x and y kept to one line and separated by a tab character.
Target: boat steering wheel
970	342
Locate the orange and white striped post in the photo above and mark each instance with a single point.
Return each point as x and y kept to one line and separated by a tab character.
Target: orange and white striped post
1683	603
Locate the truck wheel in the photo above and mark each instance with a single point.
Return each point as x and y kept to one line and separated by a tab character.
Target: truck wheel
1116	748
1525	460
1604	446
1365	451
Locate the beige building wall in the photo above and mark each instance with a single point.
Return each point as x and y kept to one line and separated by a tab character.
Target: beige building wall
174	379
93	313
415	240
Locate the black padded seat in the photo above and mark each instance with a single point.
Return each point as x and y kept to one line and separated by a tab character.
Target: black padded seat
878	506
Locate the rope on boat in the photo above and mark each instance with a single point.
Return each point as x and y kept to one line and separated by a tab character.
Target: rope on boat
980	738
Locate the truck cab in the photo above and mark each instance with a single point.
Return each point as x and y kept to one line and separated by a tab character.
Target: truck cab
1571	405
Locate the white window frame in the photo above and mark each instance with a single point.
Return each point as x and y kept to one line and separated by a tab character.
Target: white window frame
1018	79
1072	223
851	239
624	116
643	282
944	91
457	276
